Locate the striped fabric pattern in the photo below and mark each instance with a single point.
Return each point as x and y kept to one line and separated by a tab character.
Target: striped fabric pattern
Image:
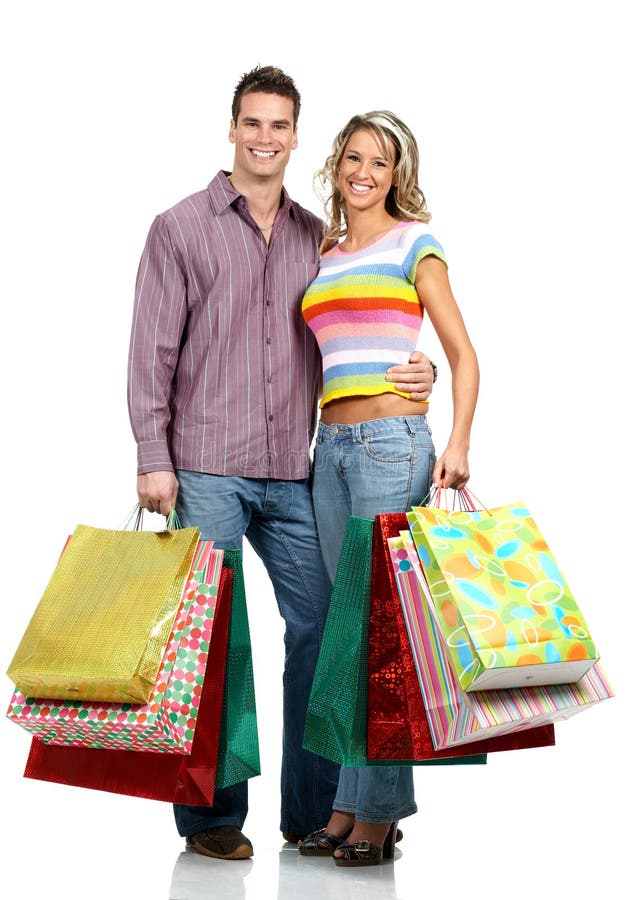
364	310
223	372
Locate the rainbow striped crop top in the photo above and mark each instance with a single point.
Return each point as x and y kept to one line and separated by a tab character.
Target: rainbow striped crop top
364	310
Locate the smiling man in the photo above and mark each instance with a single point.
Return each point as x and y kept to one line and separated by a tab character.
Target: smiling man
222	392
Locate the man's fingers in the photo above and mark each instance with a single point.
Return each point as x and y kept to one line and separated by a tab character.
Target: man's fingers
408	373
157	492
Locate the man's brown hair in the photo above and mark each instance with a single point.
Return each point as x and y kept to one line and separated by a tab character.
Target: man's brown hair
266	80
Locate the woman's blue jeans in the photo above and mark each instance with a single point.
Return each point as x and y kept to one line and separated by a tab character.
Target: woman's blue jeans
278	520
384	465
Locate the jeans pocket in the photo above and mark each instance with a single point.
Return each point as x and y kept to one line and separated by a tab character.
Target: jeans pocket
390	447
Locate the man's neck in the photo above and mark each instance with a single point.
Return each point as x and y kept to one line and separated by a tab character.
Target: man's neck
263	195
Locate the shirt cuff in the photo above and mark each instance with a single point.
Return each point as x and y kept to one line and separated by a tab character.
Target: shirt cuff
153	456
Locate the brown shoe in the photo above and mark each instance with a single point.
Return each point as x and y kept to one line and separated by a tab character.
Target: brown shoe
292	838
221	842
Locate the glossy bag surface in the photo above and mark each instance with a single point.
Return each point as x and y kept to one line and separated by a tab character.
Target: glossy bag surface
398	722
188	779
507	613
339	711
458	718
100	630
167	721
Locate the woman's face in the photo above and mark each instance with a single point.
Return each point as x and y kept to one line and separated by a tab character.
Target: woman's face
365	172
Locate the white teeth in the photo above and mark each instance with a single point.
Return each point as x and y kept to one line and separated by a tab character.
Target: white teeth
361	188
264	154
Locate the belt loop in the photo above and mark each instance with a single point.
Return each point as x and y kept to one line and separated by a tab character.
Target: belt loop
357	435
410	425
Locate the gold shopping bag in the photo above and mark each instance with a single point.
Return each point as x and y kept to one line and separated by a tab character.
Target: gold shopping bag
101	627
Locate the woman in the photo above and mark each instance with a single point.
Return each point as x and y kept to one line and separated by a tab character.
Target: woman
381	268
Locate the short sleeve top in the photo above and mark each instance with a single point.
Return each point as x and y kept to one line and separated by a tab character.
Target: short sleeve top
364	310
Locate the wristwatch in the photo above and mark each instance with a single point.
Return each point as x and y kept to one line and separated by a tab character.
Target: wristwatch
435	370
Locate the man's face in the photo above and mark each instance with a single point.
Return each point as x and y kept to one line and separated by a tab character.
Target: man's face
264	135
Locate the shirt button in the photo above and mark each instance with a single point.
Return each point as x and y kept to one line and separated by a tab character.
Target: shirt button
269	379
268	340
267	303
270	417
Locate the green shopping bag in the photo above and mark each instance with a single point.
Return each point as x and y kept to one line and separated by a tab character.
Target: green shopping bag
238	754
335	725
337	714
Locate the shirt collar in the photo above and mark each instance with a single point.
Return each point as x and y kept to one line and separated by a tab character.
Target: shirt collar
223	194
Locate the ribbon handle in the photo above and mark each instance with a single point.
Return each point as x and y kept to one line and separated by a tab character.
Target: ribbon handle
463	499
135	521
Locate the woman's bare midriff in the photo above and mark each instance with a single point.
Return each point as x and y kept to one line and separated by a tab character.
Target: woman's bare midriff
350	410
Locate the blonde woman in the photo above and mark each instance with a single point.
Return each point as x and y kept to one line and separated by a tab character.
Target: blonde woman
381	270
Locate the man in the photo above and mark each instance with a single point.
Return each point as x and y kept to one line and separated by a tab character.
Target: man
223	383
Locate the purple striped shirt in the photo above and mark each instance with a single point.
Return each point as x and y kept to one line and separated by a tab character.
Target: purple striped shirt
223	371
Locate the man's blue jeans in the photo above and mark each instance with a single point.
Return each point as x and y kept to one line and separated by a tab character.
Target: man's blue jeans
384	465
277	519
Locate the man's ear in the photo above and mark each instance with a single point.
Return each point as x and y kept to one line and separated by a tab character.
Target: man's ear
232	131
295	139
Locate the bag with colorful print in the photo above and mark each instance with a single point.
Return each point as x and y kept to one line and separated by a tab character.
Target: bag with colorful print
506	612
470	719
166	722
225	748
399	723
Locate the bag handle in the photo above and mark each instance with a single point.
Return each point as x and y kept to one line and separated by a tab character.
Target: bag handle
438	497
135	521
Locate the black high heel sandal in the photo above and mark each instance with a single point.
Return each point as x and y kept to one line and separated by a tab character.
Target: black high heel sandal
363	853
321	843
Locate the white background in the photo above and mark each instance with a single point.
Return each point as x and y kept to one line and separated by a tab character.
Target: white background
112	112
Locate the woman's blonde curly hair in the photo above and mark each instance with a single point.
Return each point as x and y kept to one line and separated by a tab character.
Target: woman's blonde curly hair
405	201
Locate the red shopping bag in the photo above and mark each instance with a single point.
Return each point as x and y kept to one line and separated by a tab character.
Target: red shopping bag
156	776
398	728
